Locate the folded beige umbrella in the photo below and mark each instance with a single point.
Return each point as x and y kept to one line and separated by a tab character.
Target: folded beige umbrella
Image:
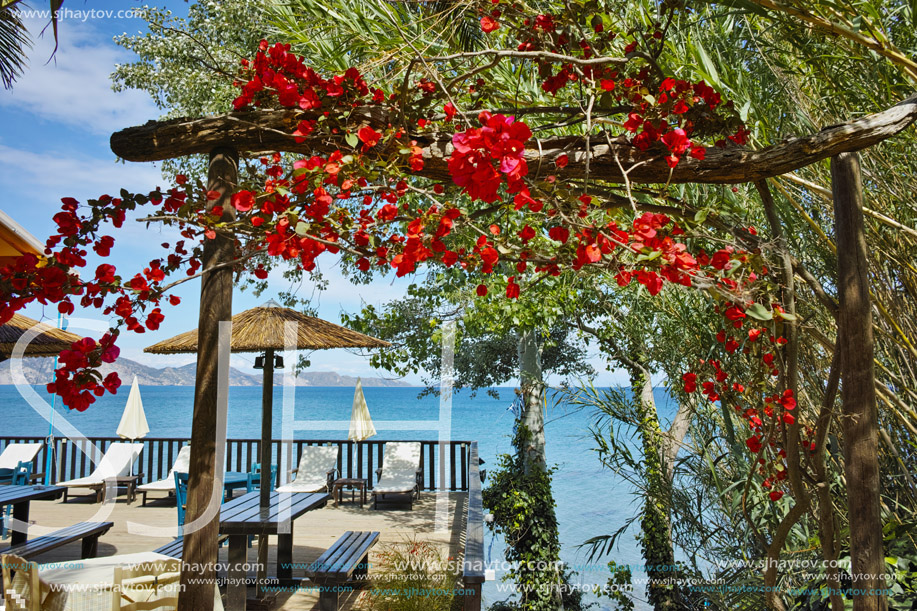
361	425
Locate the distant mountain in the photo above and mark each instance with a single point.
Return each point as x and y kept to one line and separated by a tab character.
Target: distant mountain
38	371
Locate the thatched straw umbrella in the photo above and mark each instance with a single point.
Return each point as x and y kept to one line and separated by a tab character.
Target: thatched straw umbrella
261	329
48	342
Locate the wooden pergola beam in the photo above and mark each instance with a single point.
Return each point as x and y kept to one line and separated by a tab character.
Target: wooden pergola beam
261	131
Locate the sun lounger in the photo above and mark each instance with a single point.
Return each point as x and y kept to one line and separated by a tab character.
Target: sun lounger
181	464
317	467
116	462
14	458
400	472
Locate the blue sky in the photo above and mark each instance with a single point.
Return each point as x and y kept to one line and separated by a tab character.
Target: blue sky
54	143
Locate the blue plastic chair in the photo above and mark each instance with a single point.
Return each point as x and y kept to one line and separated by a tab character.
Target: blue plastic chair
181	496
19	476
254	477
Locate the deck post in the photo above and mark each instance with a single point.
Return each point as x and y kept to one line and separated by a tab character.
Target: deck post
200	546
858	392
473	573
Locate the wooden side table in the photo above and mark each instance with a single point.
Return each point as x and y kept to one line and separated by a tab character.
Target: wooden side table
354	484
129	483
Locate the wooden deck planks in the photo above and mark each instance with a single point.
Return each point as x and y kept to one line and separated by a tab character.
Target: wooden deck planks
314	533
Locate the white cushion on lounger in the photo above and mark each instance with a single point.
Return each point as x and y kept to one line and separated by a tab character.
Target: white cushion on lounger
399	467
16	453
116	462
314	465
182	463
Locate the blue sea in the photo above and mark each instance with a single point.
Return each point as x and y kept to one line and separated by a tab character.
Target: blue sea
590	500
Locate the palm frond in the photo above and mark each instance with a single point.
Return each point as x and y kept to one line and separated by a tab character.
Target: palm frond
14	41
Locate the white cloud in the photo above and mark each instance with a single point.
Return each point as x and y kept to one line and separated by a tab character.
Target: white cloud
73	88
57	175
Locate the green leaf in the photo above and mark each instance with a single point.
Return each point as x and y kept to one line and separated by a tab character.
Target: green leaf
759	312
743	112
707	64
352	140
301	228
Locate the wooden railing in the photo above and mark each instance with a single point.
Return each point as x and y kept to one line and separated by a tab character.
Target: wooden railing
473	564
75	458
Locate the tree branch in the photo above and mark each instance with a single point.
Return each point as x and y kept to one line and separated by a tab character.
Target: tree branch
262	131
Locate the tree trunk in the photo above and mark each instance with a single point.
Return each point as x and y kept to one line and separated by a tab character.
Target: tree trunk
655	536
531	381
200	544
858	391
530	378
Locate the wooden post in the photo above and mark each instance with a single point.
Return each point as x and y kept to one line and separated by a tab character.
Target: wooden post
267	404
858	392
200	546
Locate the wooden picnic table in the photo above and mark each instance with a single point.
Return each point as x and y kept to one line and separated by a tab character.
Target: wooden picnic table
20	497
243	516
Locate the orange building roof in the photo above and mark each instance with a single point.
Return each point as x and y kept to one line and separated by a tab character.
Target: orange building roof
15	241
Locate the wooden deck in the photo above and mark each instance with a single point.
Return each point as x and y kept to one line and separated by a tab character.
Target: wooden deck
313	533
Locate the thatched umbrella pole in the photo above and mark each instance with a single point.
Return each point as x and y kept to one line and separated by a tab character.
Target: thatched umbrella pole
267	408
200	546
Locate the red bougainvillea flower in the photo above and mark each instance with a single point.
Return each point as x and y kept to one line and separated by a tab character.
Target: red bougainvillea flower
690	380
243	201
788	401
776	495
489	24
512	289
482	290
676	140
559	234
501	139
369	137
754	444
562	161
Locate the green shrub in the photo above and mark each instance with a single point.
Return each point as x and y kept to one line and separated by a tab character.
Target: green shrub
411	576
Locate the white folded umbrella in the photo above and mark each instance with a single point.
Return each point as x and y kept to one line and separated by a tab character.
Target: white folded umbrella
133	424
361	425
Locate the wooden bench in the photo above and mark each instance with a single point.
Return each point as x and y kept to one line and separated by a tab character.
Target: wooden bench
174	549
89	532
348	556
